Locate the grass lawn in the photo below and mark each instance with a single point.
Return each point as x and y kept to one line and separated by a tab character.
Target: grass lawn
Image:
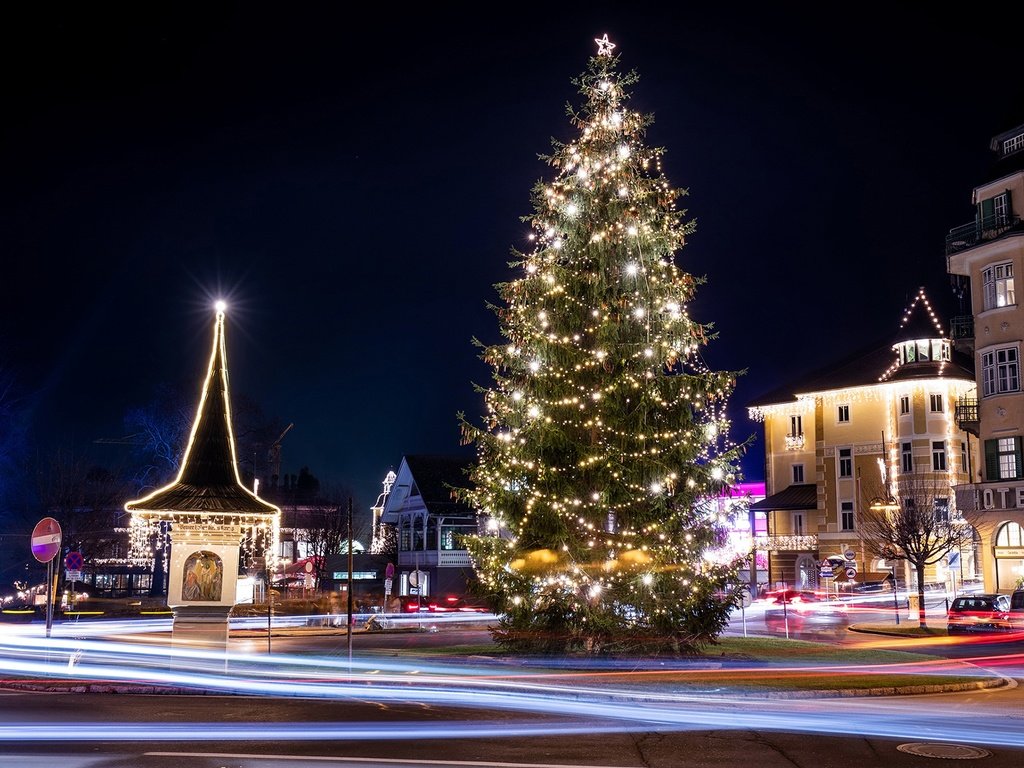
906	629
755	664
798	664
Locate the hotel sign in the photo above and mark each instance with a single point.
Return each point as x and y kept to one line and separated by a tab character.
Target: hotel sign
981	498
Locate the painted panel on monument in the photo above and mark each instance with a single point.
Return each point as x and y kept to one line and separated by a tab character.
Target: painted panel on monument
203	566
202	578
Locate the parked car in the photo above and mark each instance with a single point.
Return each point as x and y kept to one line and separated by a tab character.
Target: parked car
1017	610
804	610
446	604
981	613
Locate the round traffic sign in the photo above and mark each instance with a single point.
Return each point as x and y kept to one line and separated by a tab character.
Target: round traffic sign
850	554
851	573
73	561
46	540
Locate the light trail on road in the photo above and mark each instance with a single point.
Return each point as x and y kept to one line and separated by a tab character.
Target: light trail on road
567	706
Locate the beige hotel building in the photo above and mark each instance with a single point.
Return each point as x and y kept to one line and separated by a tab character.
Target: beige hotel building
984	256
837	439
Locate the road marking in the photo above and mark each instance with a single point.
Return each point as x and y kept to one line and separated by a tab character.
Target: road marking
384	760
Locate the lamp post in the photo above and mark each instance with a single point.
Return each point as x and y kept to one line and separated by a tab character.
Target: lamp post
348	634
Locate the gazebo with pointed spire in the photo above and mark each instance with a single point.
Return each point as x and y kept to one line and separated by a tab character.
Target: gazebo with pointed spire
209	512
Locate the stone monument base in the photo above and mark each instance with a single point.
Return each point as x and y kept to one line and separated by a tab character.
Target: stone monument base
200	628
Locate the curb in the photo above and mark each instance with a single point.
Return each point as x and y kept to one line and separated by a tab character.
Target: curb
157	690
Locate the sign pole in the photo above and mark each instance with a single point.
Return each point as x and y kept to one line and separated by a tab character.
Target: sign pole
895	598
270	601
49	595
348	634
45	542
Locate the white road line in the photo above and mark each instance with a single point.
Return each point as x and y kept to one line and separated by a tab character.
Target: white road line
381	760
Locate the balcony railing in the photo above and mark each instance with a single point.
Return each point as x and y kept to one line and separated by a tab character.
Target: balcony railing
966	415
787	543
453	558
969	235
961	327
795	442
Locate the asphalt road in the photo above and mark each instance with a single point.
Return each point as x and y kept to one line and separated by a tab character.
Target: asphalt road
417	722
214	731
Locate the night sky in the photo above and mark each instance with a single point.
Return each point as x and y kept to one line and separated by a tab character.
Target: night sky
352	182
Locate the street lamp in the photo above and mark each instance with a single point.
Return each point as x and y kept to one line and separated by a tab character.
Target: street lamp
888	505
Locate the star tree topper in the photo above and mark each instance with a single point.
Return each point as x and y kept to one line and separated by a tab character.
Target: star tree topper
604	45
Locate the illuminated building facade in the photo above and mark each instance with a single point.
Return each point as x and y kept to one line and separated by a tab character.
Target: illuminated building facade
428	523
746	532
985	256
867	426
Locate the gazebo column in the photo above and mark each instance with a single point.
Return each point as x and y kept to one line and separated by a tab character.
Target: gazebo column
202	584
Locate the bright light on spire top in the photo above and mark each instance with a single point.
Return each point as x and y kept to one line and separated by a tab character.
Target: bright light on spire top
604	45
220	306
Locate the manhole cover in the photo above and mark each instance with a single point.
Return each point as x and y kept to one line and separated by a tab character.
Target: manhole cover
947	751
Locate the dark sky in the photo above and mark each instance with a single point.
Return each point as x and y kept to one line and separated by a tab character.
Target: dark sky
351	177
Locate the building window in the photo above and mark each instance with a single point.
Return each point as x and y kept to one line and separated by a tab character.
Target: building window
942	510
846	462
936	403
904	405
843	415
997	282
1003	459
1010	535
798	523
963	456
798	473
1001	209
1013	144
1000	371
939	455
795	438
907	454
846	517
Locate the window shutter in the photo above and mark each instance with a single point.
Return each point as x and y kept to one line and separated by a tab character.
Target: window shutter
991	460
986	211
1017	455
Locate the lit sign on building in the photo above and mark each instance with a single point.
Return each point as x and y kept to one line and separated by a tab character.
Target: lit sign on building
356	575
996	497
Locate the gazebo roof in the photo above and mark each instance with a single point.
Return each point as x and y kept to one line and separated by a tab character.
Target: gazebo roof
208	482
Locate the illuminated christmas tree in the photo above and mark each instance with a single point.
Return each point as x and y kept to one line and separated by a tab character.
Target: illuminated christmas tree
604	428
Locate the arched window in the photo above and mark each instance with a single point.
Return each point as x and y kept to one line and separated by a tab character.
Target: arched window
1009	564
806	572
1010	535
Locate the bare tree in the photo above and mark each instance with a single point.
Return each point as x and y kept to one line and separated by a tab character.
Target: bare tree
14	447
87	501
914	521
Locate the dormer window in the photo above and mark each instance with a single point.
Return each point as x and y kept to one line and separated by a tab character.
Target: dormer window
1013	144
923	350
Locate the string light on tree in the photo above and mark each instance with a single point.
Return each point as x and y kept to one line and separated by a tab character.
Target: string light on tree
604	426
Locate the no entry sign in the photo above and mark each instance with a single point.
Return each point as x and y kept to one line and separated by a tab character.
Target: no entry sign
46	540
